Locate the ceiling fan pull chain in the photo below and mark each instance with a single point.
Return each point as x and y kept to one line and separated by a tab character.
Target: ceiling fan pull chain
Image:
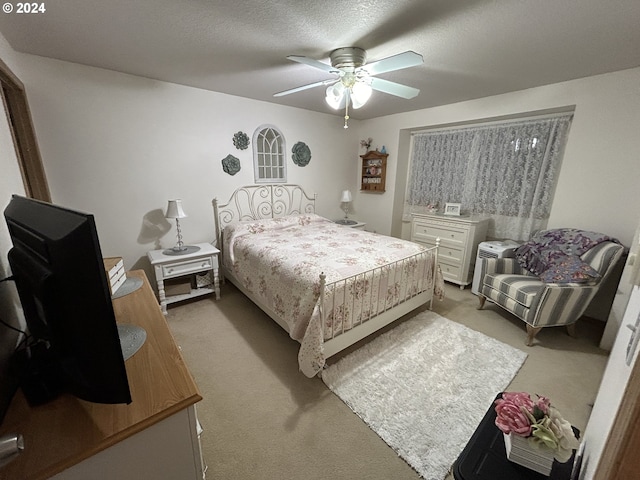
346	114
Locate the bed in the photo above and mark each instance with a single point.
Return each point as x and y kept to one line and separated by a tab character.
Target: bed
327	285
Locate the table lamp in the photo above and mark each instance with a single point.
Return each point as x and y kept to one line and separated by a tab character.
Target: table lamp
345	200
175	210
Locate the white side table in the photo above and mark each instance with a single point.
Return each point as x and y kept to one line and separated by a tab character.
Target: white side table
174	266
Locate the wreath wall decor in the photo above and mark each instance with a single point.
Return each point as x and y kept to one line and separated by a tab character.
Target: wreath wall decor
231	164
301	154
241	140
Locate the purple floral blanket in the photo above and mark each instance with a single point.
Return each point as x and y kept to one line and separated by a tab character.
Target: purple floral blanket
558	248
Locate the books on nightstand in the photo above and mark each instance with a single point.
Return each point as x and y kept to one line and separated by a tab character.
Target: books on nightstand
114	268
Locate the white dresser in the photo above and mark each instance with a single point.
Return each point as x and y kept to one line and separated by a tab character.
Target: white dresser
459	239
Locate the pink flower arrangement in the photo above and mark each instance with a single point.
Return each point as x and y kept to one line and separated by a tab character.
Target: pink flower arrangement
518	414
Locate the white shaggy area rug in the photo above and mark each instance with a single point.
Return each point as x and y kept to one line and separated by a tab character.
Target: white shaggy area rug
424	386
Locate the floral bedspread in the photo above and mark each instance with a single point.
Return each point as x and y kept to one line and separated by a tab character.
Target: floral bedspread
280	261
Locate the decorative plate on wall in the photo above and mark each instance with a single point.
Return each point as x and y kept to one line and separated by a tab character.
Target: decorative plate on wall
231	164
241	140
301	154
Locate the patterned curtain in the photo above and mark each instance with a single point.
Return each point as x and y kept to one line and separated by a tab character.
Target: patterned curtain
505	171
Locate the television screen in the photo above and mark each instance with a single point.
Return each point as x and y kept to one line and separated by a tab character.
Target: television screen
57	265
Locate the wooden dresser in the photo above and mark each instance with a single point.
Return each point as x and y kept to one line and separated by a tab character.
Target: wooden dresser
156	436
459	239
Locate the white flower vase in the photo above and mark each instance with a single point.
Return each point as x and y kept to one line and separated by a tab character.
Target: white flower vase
521	451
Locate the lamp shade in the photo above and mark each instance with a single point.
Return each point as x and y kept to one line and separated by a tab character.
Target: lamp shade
346	196
361	92
335	95
174	209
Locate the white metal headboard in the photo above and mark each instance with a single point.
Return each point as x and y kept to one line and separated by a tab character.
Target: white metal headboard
254	202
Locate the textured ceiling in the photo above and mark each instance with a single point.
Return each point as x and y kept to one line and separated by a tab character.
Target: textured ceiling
471	48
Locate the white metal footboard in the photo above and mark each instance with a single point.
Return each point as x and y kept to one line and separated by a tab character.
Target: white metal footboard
379	308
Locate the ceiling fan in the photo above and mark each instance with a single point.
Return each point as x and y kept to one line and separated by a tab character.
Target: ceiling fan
354	79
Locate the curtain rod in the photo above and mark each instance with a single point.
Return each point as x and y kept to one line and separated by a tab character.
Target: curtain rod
502	121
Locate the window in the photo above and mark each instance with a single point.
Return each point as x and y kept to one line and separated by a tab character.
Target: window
269	163
507	171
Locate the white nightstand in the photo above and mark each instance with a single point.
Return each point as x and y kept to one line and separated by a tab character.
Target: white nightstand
174	266
356	224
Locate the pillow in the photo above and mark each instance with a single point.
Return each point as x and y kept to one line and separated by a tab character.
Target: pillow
236	230
569	269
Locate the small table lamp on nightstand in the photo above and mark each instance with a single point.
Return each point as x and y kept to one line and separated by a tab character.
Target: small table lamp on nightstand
174	210
345	200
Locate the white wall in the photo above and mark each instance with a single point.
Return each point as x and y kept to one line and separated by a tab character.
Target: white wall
598	188
120	146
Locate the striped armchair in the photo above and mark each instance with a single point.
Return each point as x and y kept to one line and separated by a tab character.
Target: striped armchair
540	304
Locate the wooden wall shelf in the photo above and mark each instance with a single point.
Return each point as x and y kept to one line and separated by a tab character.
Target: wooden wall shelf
374	171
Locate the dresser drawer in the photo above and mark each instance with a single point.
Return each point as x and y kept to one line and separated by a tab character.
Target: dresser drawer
450	255
182	268
450	272
446	253
446	234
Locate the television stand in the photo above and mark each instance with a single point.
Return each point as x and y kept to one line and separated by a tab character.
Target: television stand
155	436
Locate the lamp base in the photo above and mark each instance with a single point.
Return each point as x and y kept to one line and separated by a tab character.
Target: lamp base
345	221
181	250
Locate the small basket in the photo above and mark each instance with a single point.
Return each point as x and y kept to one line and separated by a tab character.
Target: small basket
203	279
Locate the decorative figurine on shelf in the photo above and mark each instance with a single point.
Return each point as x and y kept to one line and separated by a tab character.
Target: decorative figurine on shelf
383	149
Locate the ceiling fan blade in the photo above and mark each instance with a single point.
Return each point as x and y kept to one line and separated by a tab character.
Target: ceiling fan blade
304	87
393	88
395	62
313	63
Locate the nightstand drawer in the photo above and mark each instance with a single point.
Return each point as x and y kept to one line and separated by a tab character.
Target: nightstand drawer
183	268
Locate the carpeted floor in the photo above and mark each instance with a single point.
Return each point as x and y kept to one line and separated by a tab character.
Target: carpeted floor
264	420
424	386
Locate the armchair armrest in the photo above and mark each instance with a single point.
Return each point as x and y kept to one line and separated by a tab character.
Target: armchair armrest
500	265
574	298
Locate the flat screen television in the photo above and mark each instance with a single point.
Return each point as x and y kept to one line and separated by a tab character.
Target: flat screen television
74	345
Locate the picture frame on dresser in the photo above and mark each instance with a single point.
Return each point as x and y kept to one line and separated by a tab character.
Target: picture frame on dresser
452	209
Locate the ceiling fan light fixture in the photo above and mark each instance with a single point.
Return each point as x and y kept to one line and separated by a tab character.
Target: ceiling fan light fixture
335	95
360	94
355	81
